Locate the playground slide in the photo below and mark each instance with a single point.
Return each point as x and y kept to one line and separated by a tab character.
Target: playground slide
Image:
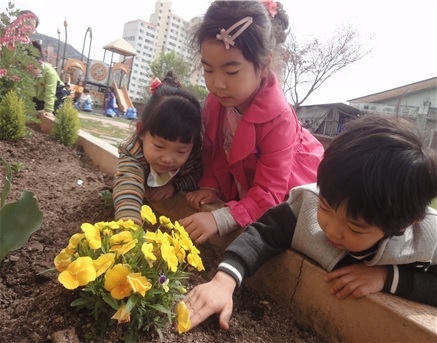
123	99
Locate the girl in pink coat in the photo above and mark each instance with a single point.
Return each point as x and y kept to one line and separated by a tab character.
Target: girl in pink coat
254	148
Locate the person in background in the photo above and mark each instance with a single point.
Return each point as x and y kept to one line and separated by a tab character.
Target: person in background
111	108
163	156
85	103
50	90
31	21
78	90
367	221
255	149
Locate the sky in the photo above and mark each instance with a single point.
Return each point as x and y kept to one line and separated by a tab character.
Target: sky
402	34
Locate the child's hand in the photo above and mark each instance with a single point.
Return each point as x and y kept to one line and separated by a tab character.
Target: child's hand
212	297
160	193
356	280
201	197
200	226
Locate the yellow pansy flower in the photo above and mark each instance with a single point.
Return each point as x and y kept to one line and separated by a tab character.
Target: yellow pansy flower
62	260
79	273
169	256
121	238
128	224
92	234
148	215
122	249
195	260
103	263
116	282
147	250
74	242
139	283
164	221
122	316
183	317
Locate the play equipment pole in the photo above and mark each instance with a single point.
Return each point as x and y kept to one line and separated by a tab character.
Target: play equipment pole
65	45
89	52
57	54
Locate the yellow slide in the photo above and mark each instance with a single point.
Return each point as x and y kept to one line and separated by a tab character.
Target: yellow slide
123	99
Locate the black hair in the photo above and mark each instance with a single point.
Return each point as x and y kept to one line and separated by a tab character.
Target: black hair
171	79
30	12
381	170
38	47
174	114
258	40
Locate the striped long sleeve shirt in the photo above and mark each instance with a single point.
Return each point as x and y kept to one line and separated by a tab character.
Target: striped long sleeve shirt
130	180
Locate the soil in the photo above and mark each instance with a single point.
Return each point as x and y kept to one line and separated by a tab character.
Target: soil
35	307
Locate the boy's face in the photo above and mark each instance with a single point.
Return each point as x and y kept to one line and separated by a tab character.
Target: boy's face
346	233
164	155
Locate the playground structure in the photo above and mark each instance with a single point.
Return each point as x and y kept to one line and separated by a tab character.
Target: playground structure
97	76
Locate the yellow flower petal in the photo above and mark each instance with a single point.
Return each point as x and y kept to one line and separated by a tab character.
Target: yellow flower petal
139	283
122	316
148	215
183	317
79	273
62	260
92	234
164	221
103	263
116	281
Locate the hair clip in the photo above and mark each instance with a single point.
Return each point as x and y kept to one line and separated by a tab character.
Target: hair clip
271	7
224	35
156	83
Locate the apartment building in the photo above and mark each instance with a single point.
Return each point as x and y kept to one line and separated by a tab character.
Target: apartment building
165	32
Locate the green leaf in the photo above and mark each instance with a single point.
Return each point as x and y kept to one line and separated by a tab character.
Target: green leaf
160	308
110	301
7	185
79	302
18	221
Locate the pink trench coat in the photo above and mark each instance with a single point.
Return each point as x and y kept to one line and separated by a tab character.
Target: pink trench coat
271	153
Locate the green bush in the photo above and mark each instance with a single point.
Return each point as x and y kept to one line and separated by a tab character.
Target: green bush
66	125
12	117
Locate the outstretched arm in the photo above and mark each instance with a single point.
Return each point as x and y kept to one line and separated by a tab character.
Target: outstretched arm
259	242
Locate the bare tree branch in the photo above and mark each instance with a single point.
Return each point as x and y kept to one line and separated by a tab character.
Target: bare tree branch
307	66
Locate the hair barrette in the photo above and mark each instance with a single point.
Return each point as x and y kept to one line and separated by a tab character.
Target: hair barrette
271	7
156	83
225	36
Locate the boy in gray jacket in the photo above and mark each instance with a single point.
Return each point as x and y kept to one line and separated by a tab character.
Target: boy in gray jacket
366	221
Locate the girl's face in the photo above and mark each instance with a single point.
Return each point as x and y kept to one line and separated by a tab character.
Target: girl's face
346	233
229	76
164	155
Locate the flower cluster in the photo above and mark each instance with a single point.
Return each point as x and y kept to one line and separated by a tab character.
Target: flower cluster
17	55
131	275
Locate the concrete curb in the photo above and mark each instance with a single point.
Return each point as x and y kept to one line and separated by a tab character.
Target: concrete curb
294	281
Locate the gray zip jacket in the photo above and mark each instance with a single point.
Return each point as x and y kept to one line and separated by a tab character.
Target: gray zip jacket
411	258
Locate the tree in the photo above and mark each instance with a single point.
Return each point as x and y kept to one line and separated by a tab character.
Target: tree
307	66
169	61
164	63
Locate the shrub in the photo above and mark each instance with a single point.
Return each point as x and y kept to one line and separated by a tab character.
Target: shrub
66	126
12	117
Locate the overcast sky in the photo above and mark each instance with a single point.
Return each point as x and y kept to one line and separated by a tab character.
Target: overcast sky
404	34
